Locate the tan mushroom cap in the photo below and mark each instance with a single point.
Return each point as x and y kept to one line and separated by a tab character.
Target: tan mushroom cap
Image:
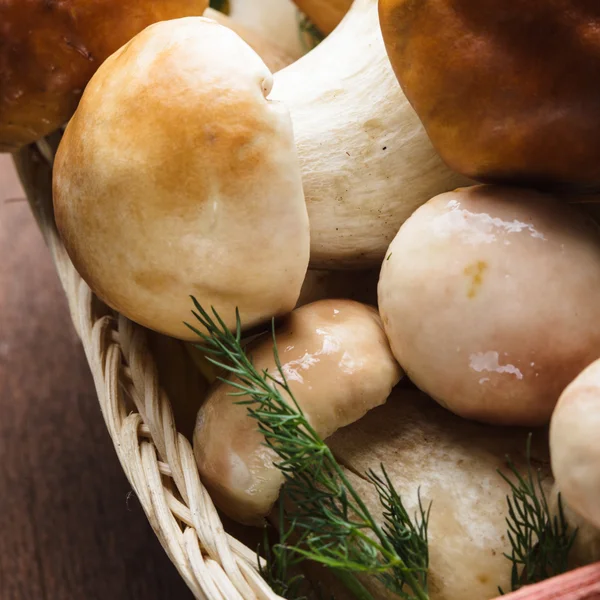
453	464
488	298
338	364
177	177
575	444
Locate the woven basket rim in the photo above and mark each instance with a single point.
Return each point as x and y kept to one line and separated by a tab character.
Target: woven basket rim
157	460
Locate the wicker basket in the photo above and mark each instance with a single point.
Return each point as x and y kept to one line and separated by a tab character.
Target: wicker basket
156	458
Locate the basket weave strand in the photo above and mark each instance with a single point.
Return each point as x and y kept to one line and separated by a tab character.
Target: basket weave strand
157	460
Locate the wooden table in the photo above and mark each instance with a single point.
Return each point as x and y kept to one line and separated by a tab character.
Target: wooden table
69	527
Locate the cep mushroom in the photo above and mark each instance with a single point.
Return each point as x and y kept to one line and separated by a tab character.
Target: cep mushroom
338	365
575	444
177	176
508	91
487	296
452	463
366	160
50	50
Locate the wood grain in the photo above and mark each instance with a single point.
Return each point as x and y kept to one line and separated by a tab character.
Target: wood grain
69	528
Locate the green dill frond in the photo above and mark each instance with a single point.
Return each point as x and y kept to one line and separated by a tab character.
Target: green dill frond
280	567
409	537
328	521
310	36
220	5
540	541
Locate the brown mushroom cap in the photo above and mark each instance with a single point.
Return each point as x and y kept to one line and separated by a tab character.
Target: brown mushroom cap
338	364
488	297
177	177
507	91
49	50
575	444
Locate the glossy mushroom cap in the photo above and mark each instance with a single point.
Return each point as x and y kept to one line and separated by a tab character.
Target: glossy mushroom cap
338	364
49	50
488	299
507	91
177	177
575	444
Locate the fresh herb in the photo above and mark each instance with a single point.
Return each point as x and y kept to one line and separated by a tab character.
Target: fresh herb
310	35
328	521
220	5
540	541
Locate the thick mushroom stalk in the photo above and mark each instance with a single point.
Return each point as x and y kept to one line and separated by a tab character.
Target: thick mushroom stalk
177	176
338	364
488	297
575	444
366	160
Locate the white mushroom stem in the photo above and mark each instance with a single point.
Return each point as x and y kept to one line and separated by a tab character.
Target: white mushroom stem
367	163
274	55
275	20
575	444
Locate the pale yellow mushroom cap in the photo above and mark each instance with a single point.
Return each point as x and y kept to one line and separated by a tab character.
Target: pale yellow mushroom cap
178	177
338	364
489	298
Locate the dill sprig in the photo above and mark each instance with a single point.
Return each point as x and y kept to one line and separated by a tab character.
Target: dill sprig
310	35
280	567
328	521
540	541
220	5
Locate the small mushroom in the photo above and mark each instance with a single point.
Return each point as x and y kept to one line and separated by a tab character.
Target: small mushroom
366	160
488	295
575	444
338	365
177	176
50	50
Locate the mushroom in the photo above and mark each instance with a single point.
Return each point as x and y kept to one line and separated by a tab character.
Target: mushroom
325	14
507	91
338	365
176	176
575	444
367	163
452	463
49	51
487	296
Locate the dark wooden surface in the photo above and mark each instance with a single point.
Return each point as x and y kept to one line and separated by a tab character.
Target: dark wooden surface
68	530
